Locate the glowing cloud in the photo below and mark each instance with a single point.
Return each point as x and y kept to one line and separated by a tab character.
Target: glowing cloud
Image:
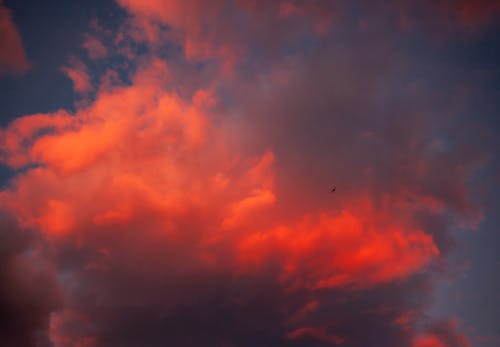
180	198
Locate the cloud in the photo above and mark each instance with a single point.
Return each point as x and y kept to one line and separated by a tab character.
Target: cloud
464	16
12	56
151	192
442	334
316	333
355	248
77	72
95	48
143	189
29	290
192	206
229	31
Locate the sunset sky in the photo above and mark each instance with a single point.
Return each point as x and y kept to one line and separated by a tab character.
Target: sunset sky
166	168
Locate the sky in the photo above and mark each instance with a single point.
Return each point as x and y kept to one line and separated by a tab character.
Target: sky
166	169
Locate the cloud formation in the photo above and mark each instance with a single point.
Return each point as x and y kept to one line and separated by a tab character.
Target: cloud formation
187	205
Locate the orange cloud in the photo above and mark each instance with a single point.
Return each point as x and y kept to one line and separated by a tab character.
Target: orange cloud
135	149
142	151
358	247
56	217
16	142
145	185
78	74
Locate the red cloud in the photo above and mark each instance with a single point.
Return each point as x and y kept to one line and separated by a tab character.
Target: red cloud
225	29
95	49
478	11
151	146
442	334
205	31
469	15
145	181
142	151
318	333
358	247
77	72
12	56
145	188
445	16
429	341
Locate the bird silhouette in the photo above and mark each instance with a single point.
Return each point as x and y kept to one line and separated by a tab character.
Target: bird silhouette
333	189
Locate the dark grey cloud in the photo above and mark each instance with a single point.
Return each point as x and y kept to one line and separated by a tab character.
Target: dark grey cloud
29	290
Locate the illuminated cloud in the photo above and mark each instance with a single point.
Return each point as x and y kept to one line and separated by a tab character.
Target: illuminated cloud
442	334
228	30
78	74
95	48
356	248
151	191
186	207
12	56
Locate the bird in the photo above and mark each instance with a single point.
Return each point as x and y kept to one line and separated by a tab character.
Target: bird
333	189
